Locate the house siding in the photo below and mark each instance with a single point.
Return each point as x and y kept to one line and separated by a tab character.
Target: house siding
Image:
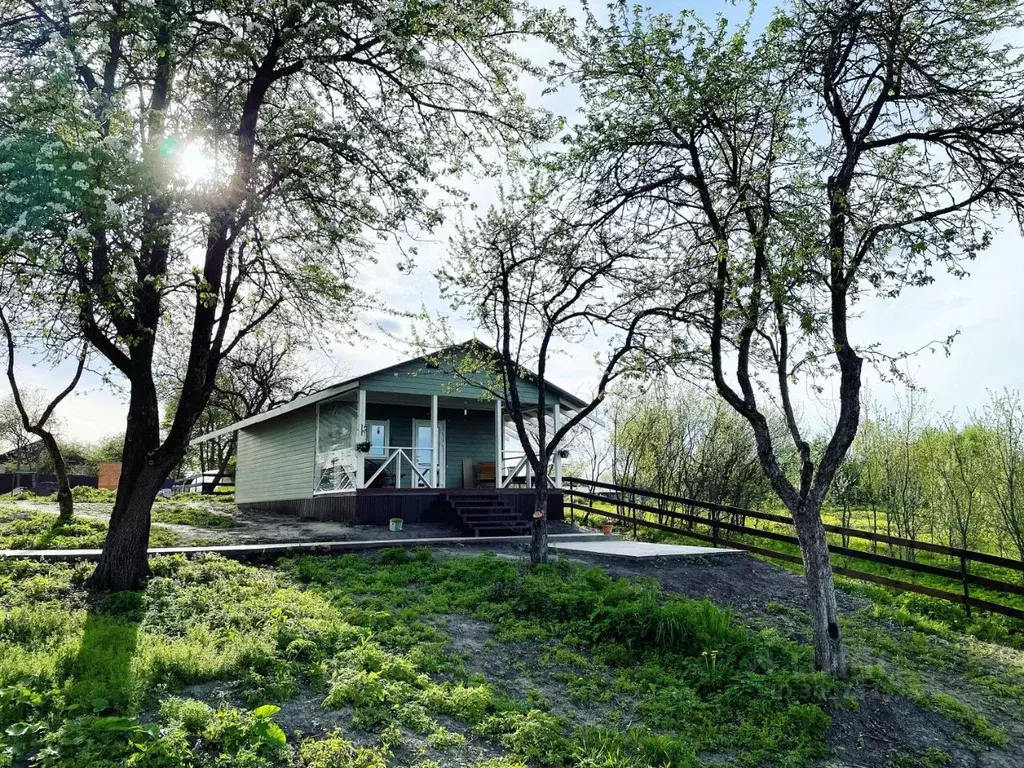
275	458
417	379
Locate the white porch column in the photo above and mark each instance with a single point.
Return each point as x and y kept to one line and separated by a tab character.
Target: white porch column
556	420
435	464
498	431
360	437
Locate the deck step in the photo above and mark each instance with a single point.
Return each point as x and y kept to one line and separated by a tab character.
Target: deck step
487	513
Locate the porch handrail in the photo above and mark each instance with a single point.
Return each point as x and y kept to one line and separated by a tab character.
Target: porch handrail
393	452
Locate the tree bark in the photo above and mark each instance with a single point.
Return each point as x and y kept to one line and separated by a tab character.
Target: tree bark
829	656
123	564
60	468
210	486
539	529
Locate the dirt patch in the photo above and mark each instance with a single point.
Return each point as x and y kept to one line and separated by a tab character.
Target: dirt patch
524	671
883	728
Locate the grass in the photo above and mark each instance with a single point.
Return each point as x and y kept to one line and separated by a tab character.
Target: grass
620	675
187	514
22	529
985	626
358	636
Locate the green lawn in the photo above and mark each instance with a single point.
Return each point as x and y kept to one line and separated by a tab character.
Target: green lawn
584	670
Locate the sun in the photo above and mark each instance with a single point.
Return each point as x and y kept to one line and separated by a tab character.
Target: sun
195	164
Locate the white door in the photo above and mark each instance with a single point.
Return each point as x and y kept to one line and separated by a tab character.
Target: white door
422	443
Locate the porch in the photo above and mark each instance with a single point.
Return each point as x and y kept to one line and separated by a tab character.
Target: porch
509	510
385	441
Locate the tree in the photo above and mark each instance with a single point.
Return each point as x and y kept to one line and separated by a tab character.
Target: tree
904	459
225	162
960	462
849	149
30	413
1004	418
265	370
533	280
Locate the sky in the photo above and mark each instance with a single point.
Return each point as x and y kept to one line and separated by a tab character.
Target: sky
985	308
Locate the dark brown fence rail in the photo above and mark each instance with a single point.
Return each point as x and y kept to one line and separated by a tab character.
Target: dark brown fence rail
721	520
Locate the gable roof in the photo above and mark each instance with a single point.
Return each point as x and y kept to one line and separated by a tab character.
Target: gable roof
351	384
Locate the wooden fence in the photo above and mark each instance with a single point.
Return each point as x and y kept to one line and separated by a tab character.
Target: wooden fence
714	523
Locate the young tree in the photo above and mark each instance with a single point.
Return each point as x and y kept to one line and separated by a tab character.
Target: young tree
960	463
30	413
533	281
851	148
224	162
1004	419
904	458
267	369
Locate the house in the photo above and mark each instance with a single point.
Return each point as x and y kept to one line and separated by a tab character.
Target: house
419	440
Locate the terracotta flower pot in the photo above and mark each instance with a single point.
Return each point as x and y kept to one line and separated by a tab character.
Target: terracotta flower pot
606	529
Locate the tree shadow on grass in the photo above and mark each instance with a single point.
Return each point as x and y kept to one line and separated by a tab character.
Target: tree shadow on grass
101	678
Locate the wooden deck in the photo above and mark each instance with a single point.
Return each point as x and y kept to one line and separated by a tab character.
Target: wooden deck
376	506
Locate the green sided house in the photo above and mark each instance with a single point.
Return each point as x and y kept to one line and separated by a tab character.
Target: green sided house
415	441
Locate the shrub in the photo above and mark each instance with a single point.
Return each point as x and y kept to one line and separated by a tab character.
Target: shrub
534	736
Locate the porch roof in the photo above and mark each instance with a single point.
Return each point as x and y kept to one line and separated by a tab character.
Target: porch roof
378	381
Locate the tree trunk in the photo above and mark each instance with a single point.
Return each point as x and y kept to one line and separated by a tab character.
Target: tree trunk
539	530
829	656
124	562
210	487
60	469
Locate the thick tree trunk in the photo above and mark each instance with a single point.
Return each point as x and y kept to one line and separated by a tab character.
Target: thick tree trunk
829	656
60	468
124	564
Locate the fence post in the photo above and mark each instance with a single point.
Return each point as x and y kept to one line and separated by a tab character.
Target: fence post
632	498
967	589
714	527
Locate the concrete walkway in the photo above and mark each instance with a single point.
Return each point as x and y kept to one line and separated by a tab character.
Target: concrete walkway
263	551
638	550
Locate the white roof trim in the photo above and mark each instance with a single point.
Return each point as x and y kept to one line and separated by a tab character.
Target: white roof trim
294	405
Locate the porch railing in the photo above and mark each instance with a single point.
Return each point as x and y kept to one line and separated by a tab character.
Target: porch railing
522	464
394	456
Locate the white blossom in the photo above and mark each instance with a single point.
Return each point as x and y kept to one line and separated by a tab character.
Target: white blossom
78	165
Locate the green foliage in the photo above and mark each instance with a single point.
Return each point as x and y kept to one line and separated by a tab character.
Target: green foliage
187	514
930	757
534	736
24	529
359	633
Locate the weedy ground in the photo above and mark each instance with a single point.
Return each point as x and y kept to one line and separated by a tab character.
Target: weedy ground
423	659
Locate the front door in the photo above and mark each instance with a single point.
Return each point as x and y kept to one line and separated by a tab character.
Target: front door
421	444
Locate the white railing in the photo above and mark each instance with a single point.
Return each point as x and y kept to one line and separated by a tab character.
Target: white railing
393	455
521	465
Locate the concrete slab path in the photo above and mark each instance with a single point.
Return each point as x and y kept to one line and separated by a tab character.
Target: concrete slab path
259	551
639	550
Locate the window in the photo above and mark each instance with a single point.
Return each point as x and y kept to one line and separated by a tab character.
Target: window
377	436
335	449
